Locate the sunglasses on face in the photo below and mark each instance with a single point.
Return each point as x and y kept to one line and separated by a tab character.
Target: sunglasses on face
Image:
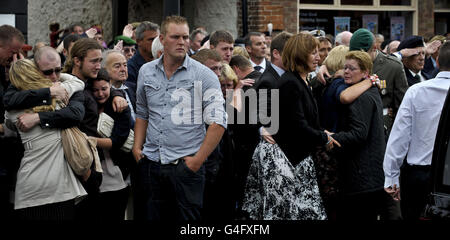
51	71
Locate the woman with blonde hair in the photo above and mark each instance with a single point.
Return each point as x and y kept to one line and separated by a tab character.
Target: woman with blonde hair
46	187
238	50
228	79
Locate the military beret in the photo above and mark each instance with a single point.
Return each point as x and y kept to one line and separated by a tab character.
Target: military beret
411	42
362	39
126	40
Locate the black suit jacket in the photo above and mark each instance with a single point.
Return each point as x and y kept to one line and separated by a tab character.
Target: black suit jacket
132	96
269	80
428	67
412	80
299	132
66	117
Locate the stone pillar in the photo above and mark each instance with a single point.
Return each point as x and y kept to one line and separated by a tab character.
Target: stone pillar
216	15
88	12
426	18
141	10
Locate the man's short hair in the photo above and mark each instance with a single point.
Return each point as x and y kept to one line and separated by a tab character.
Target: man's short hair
145	26
8	33
178	20
241	62
323	39
279	41
444	57
70	39
247	39
47	51
338	38
220	36
203	55
195	32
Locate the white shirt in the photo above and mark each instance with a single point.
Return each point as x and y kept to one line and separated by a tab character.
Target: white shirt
415	127
262	65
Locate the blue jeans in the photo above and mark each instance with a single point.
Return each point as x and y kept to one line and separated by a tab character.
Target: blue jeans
170	192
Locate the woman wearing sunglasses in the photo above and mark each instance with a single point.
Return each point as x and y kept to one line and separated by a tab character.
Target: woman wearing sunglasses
46	187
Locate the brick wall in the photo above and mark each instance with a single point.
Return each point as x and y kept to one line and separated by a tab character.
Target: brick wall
426	18
283	14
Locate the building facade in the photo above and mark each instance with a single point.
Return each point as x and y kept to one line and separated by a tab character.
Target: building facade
392	18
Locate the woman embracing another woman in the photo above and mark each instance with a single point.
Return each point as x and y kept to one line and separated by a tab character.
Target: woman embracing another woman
282	182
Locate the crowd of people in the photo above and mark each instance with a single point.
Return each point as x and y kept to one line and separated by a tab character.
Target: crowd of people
278	126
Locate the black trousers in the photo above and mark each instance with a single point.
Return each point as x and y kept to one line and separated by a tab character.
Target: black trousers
170	192
112	204
362	206
51	212
415	185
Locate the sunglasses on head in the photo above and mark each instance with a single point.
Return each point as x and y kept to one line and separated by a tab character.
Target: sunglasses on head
51	71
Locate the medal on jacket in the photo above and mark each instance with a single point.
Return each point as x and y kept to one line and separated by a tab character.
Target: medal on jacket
381	84
383	87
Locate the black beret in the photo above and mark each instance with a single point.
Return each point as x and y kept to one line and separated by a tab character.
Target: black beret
411	42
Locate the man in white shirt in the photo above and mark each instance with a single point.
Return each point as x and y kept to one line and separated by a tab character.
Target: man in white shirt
255	44
413	135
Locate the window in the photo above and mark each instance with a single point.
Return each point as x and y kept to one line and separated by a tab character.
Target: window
396	2
441	4
357	2
317	2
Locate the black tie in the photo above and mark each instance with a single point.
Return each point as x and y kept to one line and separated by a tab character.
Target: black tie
258	68
417	77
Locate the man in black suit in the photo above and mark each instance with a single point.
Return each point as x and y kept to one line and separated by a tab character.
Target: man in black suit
414	64
245	133
270	79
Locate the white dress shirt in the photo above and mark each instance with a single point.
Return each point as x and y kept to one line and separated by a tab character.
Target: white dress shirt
415	127
262	65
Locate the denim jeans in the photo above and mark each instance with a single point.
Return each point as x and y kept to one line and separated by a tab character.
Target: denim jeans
170	192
